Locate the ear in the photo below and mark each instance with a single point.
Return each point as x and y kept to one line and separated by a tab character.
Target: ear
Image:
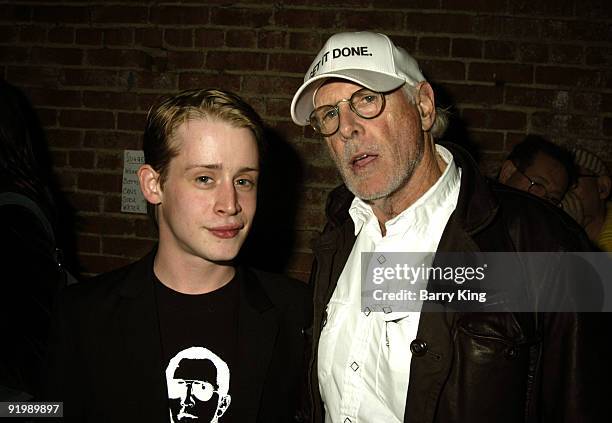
507	170
224	403
426	105
603	186
150	184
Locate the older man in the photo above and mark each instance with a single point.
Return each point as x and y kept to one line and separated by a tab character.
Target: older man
378	116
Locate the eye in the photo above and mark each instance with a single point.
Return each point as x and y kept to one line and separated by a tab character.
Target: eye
204	180
330	114
245	183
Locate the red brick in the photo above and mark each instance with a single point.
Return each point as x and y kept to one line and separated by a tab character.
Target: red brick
545	8
599	56
586	102
85	202
476	94
606	103
245	17
150	80
585	126
307	41
64	138
305	19
61	35
149	37
53	97
82	159
120	14
15	13
90	77
310	218
437	70
13	54
287	130
109	161
487	140
272	39
102	182
56	56
131	121
118	58
500	50
180	15
188	80
110	100
118	37
146	100
129	247
532	52
233	61
185	60
371	21
32	34
500	73
269	84
553	75
33	75
112	139
494	119
8	34
465	47
566	54
300	263
111	203
145	228
241	38
550	123
503	27
277	107
61	14
434	46
448	23
283	62
89	36
209	38
178	37
67	180
88	243
482	6
607	127
529	97
86	119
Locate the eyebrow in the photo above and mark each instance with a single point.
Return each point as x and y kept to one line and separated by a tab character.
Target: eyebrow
218	166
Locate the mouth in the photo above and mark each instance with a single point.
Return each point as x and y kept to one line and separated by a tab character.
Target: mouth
360	161
226	232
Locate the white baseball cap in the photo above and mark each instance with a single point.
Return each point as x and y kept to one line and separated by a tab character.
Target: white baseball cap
366	58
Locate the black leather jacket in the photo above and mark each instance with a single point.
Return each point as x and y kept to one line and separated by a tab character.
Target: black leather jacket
486	367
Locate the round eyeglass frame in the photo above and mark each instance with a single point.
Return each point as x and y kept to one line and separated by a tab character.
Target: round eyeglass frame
312	119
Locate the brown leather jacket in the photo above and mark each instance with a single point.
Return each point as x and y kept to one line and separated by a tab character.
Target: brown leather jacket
486	367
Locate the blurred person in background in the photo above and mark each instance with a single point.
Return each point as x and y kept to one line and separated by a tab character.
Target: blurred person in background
30	259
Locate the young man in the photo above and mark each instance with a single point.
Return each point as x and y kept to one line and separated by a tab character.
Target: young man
404	192
185	334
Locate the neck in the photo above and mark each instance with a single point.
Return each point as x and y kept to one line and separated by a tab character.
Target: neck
189	274
424	177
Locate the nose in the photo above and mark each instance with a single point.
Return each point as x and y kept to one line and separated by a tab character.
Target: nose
187	397
227	200
349	125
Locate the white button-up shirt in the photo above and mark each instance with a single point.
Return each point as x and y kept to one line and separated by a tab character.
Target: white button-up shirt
364	359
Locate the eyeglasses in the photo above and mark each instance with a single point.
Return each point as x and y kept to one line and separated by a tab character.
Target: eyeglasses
364	103
539	190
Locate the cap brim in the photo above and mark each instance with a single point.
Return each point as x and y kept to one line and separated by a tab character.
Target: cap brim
303	101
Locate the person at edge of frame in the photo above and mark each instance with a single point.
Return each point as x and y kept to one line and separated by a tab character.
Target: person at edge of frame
186	333
402	191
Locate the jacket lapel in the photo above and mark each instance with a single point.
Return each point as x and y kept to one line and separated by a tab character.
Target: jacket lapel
136	320
257	332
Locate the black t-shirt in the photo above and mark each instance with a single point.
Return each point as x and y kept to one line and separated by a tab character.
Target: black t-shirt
199	342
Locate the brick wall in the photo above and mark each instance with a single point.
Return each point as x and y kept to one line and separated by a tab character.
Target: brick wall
92	69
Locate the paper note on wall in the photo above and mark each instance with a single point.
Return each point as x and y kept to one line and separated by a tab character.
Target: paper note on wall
132	200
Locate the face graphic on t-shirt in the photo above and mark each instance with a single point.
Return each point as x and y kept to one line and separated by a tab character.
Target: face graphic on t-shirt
198	384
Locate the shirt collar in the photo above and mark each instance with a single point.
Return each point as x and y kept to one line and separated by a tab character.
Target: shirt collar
434	197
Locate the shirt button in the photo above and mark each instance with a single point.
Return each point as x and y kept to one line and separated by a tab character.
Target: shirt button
418	347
